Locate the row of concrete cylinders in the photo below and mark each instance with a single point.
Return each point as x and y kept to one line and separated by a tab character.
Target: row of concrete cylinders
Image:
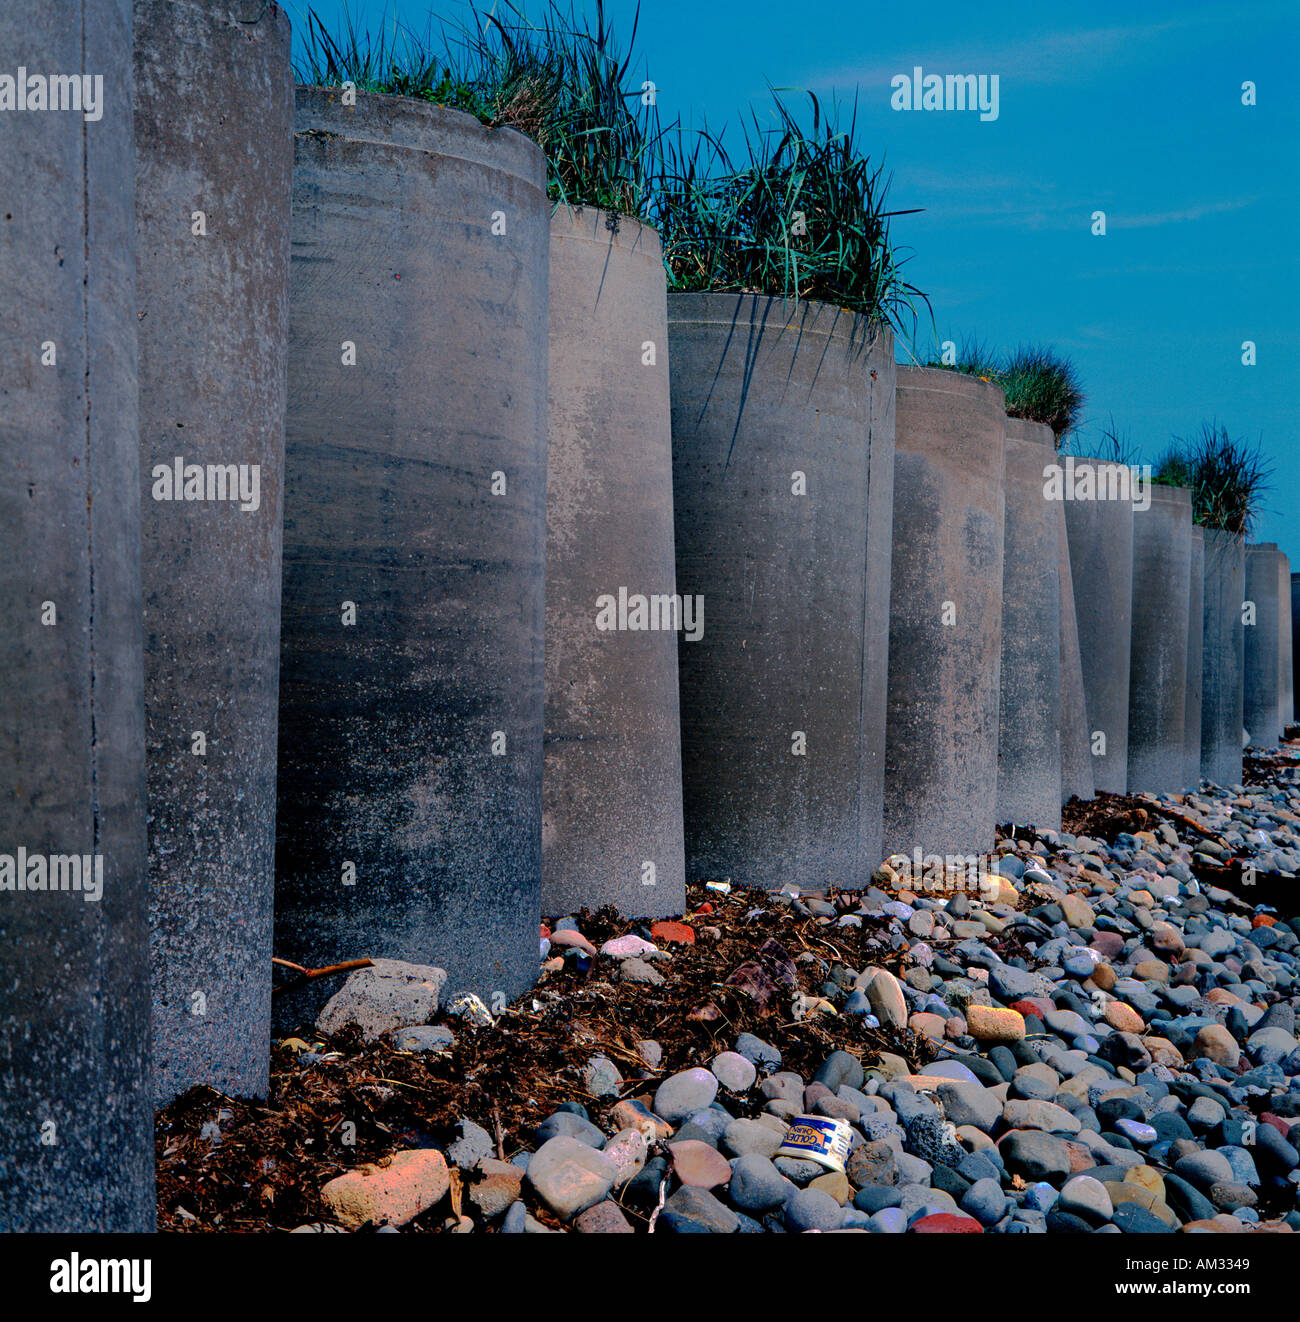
482	433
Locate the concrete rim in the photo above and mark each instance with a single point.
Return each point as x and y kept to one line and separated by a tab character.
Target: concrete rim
1170	495
632	237
1035	433
738	309
234	13
404	122
943	381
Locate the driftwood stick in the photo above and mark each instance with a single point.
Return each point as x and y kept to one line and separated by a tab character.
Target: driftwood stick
309	975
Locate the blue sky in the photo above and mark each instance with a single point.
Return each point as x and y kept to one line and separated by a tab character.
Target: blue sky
1138	114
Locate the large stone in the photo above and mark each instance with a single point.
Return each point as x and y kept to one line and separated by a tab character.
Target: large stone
744	1137
1009	983
570	1177
392	994
1124	1017
873	1163
734	1071
969	1104
1086	1197
1215	1043
692	1211
700	1164
1166	940
497	1187
886	997
811	1209
390	1192
688	1090
1204	1169
1035	1155
987	1023
627	1150
1046	1116
756	1185
1078	912
604	1219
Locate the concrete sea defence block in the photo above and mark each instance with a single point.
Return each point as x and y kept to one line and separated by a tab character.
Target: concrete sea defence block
945	620
1031	699
1099	528
412	652
1195	660
612	780
213	176
1262	684
782	486
76	1116
1223	657
1162	548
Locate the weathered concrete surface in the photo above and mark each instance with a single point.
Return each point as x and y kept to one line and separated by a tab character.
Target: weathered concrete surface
1162	550
1100	533
1262	702
1285	634
770	398
1076	753
411	738
612	779
1222	658
213	324
76	1116
1195	660
1295	633
945	618
1031	703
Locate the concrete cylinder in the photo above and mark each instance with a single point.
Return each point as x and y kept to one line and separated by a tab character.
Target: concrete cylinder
1222	658
1194	688
612	778
1286	665
782	481
1076	754
1262	683
1162	551
945	618
1030	705
415	485
1099	527
1295	633
76	1116
212	204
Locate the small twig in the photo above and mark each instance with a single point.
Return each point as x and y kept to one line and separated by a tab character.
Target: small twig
654	1216
306	975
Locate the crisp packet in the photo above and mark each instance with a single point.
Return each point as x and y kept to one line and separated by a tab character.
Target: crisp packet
817	1138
